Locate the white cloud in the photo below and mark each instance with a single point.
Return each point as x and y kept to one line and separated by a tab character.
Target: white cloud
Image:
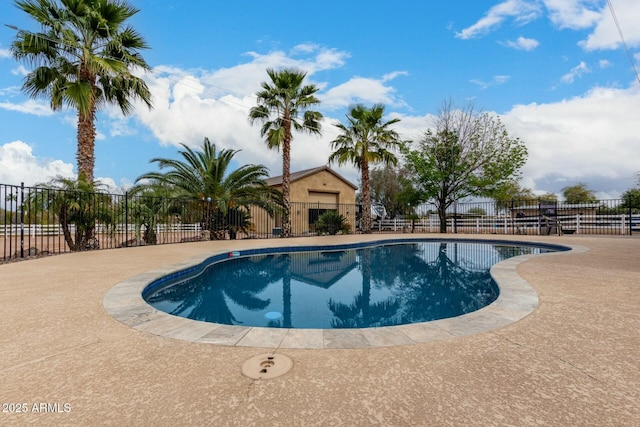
110	186
603	63
587	138
20	70
390	76
576	72
522	43
18	164
360	90
10	91
566	14
573	14
30	106
496	80
117	123
5	53
244	79
304	48
520	10
606	35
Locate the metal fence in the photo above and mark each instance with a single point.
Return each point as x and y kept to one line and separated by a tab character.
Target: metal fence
40	221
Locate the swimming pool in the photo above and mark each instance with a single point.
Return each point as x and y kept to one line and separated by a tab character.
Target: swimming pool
365	285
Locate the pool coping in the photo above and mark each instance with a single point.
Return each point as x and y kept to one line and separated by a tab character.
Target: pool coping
516	300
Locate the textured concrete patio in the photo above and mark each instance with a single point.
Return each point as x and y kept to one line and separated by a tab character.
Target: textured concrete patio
575	360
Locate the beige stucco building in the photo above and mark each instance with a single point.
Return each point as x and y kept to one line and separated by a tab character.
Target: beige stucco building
313	192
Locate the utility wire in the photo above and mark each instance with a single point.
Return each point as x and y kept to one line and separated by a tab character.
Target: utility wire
615	20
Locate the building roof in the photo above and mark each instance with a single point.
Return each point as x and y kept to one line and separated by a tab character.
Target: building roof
277	180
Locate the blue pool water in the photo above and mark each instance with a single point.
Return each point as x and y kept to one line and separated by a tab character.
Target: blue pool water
338	287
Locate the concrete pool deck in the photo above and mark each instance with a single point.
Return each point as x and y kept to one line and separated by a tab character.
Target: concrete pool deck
575	360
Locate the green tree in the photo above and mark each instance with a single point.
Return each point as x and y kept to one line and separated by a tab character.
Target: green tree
631	199
364	140
466	154
77	205
578	193
84	58
551	197
509	192
206	178
392	187
280	103
150	204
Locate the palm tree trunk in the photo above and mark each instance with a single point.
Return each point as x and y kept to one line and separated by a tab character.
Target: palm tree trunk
64	223
366	198
86	146
286	177
87	131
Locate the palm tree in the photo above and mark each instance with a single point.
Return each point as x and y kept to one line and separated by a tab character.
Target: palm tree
205	177
279	104
84	56
151	203
76	205
365	139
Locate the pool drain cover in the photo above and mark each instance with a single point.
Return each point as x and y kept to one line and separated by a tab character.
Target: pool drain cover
267	366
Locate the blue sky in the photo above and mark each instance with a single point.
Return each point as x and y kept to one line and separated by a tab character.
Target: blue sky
555	72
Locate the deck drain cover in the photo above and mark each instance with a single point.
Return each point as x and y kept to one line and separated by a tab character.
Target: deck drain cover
267	366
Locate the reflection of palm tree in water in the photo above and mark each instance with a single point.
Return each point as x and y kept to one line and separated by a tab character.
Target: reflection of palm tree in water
361	313
286	291
452	289
281	266
196	297
427	284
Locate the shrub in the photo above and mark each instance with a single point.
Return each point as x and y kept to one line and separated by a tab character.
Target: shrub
331	222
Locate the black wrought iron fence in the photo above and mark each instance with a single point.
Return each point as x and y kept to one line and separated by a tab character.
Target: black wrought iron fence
38	221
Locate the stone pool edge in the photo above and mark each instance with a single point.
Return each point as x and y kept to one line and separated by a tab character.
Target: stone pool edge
517	300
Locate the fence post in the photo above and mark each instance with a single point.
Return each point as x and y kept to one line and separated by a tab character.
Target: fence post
22	220
455	217
126	218
630	215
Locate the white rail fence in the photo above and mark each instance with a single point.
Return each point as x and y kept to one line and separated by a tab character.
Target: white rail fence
570	224
578	224
56	229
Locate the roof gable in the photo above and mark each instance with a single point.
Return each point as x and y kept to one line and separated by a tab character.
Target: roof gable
295	176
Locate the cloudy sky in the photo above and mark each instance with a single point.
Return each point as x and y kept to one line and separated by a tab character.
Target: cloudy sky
555	71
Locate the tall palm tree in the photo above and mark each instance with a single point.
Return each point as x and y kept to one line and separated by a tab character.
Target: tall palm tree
84	57
280	102
365	139
205	176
